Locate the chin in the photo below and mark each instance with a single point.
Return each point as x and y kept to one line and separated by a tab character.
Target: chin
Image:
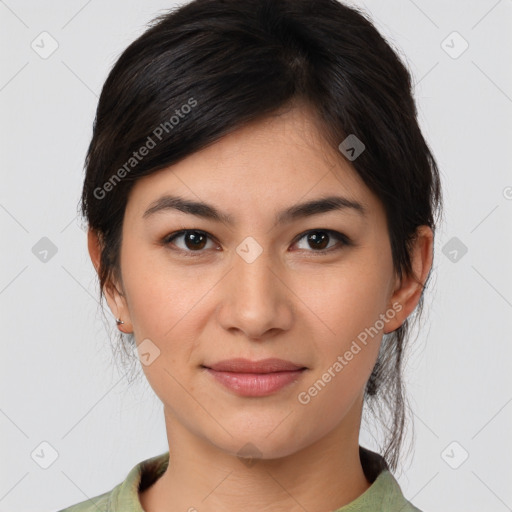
253	443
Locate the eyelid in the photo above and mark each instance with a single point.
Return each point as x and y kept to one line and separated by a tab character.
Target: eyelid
341	237
176	234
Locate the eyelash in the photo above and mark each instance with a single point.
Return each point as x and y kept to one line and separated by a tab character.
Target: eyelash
323	252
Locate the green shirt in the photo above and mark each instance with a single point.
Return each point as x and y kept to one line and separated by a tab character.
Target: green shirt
383	495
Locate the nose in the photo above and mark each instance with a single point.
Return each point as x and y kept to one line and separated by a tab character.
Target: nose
255	300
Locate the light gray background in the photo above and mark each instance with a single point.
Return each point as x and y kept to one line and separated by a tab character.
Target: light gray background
59	385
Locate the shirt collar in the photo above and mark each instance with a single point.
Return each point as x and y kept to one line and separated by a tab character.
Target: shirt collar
383	492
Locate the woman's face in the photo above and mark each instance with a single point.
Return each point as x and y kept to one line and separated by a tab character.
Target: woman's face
314	287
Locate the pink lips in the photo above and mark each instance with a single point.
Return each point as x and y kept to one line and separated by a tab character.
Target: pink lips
255	378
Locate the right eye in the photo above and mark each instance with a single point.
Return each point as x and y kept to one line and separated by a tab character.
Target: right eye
192	241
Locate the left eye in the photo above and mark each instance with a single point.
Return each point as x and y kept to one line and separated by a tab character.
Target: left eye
194	240
319	239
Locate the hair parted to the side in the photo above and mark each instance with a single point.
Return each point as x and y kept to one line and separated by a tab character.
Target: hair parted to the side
206	68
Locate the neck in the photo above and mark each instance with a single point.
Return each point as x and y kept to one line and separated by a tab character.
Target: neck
325	475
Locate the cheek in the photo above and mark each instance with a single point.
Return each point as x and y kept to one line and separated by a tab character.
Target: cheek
345	300
348	304
159	295
169	307
347	354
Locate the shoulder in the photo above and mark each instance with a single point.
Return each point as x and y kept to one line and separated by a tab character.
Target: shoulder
385	492
392	497
98	504
124	497
409	507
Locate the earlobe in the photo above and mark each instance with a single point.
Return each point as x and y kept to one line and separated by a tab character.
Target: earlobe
117	304
408	290
115	299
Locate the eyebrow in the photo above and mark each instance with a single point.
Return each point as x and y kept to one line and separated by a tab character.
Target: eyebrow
298	211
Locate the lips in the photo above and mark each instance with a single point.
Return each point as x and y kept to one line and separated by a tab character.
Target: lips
263	366
255	378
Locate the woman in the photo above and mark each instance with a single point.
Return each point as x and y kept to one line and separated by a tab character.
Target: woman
261	207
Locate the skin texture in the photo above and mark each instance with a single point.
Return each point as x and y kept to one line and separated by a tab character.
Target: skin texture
290	303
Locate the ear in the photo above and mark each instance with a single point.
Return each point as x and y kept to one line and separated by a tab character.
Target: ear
112	290
407	292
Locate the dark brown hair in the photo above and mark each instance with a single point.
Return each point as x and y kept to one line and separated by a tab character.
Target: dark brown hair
206	68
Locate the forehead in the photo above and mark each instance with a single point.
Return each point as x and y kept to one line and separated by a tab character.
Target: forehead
267	164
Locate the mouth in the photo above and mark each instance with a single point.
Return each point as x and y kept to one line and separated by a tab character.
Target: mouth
255	378
247	366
